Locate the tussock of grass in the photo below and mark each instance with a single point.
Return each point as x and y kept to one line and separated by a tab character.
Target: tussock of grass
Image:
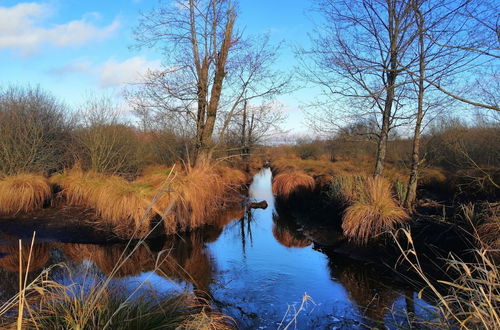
346	189
373	213
290	183
120	203
183	199
98	307
23	193
197	196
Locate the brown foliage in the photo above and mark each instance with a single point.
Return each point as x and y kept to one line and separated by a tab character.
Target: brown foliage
290	183
373	213
23	193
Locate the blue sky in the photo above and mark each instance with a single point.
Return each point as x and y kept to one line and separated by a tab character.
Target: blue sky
72	48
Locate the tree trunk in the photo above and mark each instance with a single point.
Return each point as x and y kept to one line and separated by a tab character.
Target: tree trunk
215	94
411	193
390	85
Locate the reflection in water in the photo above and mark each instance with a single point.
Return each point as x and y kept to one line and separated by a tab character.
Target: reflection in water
287	234
245	263
40	255
373	296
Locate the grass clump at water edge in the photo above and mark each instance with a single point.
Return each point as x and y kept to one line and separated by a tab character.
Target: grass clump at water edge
373	212
292	183
23	193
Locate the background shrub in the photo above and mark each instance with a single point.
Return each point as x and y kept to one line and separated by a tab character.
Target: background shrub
34	132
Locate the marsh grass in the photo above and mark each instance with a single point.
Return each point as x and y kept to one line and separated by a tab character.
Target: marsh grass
288	184
195	194
120	203
23	193
471	299
345	189
373	212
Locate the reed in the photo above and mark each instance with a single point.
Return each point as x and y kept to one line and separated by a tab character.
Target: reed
23	193
373	213
471	300
292	183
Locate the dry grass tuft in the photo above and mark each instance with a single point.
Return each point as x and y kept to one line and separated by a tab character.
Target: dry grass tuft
373	213
122	204
472	299
290	183
23	193
346	189
183	199
196	196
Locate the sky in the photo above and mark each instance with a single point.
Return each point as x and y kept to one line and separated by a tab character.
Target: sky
73	48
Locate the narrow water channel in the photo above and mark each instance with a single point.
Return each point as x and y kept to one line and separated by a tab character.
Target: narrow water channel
256	267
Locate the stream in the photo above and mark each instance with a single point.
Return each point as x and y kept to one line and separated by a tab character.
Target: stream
257	268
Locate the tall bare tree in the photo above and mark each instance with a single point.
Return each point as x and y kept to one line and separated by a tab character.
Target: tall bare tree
208	69
443	54
358	57
196	37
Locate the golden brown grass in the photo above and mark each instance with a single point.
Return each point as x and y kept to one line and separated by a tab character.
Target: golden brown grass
184	199
472	299
289	183
23	193
122	204
373	213
346	189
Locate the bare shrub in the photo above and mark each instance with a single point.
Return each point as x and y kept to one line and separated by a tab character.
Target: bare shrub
34	131
103	143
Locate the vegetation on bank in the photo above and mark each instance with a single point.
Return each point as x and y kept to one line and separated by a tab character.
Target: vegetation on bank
183	198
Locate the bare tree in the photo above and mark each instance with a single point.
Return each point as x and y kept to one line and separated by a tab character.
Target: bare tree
197	37
440	23
208	69
358	57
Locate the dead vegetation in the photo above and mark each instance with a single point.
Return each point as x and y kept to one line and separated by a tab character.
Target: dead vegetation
372	212
288	184
23	193
183	199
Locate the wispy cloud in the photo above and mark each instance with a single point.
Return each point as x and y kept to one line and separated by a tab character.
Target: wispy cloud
22	29
112	72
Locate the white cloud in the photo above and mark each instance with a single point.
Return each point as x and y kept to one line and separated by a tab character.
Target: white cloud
22	30
113	73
